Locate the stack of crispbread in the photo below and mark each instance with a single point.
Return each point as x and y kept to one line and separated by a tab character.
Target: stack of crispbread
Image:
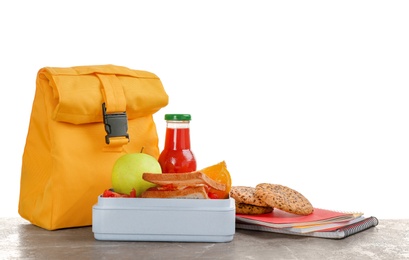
266	196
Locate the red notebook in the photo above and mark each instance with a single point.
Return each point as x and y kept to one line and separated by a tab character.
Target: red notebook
335	233
282	219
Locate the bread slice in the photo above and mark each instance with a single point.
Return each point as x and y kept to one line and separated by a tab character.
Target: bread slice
198	192
183	179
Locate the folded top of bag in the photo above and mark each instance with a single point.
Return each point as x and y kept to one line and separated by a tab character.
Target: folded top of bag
79	91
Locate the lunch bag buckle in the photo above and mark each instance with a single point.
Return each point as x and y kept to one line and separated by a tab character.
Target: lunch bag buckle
116	124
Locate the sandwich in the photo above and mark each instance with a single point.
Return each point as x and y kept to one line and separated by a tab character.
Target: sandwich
192	185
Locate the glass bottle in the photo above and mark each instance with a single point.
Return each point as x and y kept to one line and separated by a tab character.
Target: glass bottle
177	157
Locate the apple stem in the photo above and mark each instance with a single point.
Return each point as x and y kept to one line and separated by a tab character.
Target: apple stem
142	149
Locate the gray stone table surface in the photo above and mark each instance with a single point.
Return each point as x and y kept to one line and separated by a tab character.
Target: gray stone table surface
21	240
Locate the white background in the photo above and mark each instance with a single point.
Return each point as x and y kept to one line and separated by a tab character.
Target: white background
308	94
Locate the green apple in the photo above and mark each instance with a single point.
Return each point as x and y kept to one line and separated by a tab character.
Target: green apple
128	169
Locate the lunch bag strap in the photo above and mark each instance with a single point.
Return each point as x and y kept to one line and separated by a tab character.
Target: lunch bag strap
114	113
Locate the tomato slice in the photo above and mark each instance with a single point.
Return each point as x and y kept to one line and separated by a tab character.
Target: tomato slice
132	194
213	196
213	193
112	194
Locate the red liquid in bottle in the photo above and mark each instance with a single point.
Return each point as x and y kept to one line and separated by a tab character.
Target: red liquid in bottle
176	156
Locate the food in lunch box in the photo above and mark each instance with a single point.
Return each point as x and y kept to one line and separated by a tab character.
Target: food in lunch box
127	172
213	182
110	193
219	173
192	185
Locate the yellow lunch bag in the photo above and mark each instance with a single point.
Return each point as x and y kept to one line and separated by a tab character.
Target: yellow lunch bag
83	119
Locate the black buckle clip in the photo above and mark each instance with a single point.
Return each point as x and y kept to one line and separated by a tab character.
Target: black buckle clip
116	124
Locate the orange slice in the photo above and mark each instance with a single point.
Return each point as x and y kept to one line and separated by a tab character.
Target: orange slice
219	173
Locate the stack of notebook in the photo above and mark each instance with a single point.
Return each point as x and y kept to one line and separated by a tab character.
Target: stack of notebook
321	223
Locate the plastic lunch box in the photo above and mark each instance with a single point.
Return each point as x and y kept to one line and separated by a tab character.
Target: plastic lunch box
146	219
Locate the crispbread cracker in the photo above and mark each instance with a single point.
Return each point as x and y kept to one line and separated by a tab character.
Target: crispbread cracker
243	208
245	194
284	198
